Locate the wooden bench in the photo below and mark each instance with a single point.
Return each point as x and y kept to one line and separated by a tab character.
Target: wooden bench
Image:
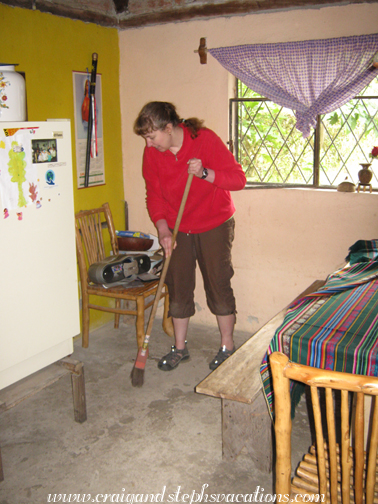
27	387
246	422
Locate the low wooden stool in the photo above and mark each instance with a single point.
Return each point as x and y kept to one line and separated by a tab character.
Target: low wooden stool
27	387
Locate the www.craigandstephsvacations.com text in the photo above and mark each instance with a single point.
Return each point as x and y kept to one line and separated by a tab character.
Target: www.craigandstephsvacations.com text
179	496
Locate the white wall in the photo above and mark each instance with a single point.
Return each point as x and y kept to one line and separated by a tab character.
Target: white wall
285	238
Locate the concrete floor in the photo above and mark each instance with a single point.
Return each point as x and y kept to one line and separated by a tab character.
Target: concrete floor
158	439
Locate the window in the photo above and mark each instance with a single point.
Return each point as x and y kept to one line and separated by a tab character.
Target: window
272	151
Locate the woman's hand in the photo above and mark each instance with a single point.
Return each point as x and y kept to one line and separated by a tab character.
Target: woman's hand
195	167
165	241
165	236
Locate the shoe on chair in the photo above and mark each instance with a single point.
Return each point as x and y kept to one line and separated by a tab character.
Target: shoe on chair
173	358
221	356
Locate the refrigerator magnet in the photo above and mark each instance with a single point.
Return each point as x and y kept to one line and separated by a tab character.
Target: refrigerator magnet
50	177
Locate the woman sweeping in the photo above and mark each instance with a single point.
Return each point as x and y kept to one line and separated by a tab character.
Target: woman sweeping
174	149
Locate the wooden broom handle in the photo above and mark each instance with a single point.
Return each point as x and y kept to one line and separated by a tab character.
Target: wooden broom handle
168	259
181	209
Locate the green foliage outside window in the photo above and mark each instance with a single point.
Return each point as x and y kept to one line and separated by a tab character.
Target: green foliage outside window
272	151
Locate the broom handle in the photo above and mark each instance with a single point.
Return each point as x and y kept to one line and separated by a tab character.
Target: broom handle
167	261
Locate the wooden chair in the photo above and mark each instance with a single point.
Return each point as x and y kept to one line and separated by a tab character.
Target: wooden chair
95	233
337	465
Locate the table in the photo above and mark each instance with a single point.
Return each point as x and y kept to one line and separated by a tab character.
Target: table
334	328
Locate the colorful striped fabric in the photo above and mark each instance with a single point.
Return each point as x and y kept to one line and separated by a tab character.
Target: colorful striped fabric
345	278
363	251
334	328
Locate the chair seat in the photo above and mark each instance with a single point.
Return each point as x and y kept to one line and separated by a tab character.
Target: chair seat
148	288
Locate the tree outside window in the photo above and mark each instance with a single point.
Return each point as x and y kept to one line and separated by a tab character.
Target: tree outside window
273	152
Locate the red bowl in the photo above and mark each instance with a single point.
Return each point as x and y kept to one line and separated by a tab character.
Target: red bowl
132	243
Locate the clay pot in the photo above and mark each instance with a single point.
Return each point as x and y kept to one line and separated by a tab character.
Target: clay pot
365	175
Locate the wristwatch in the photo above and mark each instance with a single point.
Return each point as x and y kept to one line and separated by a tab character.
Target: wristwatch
205	173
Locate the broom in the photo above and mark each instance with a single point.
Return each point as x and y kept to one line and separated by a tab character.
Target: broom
137	373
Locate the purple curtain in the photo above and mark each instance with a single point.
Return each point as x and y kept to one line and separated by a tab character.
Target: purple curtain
310	77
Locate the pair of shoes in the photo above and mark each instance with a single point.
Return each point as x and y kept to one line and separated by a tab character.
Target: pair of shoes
221	356
173	358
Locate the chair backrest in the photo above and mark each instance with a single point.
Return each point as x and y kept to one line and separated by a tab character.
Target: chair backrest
339	429
94	230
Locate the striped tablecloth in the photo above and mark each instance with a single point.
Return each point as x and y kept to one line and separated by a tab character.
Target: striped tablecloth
336	327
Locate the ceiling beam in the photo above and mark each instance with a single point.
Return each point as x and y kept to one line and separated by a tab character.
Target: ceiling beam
226	8
121	15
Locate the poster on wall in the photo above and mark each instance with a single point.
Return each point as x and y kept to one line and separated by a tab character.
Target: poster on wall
81	82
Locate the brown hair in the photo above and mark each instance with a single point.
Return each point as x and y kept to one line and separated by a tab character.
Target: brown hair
156	115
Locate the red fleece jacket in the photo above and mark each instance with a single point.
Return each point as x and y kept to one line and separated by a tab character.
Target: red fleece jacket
208	204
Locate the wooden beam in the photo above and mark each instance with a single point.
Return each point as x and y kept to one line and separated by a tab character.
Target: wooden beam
227	8
122	15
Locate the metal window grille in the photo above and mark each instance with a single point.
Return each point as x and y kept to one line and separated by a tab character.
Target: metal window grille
272	151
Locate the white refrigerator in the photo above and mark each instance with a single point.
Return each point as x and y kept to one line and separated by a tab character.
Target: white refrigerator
39	302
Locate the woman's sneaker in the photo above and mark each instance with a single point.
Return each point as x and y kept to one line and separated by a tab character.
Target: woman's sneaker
173	358
221	356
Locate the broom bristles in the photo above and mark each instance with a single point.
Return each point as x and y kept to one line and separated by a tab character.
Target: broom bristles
137	377
137	373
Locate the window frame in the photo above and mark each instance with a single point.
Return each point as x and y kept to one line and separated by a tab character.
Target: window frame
233	143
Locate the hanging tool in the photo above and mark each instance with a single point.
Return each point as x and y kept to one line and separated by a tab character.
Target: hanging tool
92	121
137	373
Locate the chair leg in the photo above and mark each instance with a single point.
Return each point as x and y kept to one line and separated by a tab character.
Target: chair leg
116	316
167	321
140	320
85	322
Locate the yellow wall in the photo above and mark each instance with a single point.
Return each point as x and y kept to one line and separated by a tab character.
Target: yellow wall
285	238
48	49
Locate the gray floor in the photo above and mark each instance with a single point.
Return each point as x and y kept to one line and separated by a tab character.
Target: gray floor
158	439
